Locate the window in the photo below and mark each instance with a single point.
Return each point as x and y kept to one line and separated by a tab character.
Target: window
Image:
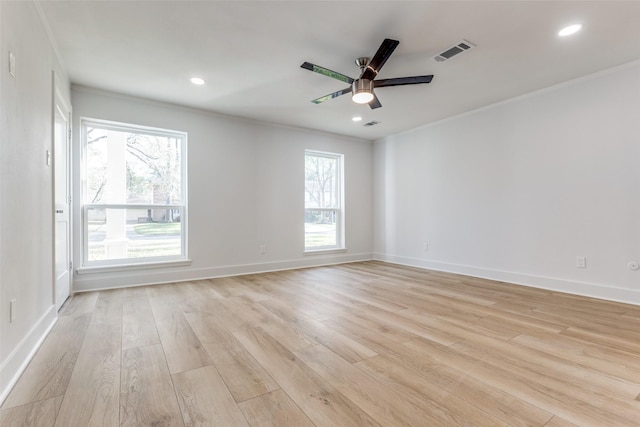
133	194
323	215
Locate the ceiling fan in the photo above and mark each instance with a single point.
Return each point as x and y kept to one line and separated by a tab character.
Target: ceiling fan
362	88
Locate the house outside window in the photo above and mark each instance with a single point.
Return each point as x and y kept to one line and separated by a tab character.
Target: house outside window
324	215
134	204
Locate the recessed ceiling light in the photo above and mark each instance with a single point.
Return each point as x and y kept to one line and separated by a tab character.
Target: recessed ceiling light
571	29
356	118
197	81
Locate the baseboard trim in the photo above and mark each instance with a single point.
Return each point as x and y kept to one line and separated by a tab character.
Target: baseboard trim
19	358
592	290
104	281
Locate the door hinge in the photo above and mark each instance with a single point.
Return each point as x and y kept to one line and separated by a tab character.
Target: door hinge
70	265
69	134
69	200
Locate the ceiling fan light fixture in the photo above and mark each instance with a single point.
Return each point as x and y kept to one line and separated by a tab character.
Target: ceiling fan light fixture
362	97
571	29
362	91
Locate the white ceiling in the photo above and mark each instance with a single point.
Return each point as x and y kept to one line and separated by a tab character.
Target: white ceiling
250	53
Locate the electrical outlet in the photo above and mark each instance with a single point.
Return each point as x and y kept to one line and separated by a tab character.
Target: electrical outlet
12	310
581	262
425	247
263	249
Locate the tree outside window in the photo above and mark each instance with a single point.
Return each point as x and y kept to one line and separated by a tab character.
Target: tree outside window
323	200
134	191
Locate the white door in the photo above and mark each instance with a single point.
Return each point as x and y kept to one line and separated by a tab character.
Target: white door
62	200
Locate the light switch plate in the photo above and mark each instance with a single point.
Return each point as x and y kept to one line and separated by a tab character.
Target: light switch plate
12	310
12	64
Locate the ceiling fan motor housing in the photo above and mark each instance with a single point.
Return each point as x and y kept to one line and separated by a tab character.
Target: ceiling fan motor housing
362	62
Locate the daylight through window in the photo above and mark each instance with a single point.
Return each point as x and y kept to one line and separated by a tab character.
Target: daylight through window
134	194
323	216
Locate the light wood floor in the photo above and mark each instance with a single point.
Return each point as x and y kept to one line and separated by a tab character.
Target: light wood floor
363	344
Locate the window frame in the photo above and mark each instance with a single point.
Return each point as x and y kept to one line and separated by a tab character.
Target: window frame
339	209
87	265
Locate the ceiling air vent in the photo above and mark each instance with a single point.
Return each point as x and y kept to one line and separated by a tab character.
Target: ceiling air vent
371	123
464	45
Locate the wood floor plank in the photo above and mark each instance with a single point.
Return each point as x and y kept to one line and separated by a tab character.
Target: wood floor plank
604	338
390	331
79	304
404	322
456	329
252	291
484	312
244	377
41	413
319	400
464	316
388	402
139	334
238	313
554	369
138	324
618	363
199	297
242	374
164	300
274	409
92	396
147	397
309	304
359	295
108	308
344	346
50	369
183	350
597	393
226	287
556	401
441	381
205	400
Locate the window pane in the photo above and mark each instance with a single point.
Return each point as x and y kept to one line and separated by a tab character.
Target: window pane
135	194
116	234
321	182
320	229
132	167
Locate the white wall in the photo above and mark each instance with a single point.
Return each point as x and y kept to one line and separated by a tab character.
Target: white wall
518	190
246	188
26	212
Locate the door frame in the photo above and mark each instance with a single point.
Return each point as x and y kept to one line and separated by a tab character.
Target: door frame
60	99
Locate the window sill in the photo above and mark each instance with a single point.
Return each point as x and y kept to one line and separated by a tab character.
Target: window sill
325	251
128	267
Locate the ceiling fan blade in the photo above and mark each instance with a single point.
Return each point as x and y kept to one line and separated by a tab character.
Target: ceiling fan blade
331	95
375	102
384	52
401	81
326	72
